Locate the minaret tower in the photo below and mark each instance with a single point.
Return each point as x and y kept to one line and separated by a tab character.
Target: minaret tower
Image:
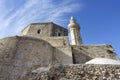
74	32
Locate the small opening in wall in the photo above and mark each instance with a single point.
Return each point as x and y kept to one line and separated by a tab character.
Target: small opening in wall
39	31
110	52
59	34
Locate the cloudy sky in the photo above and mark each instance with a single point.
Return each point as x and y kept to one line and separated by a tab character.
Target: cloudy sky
99	19
16	14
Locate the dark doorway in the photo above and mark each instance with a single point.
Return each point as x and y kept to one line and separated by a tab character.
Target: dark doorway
39	31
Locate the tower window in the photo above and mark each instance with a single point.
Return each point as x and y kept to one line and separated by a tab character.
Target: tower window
39	31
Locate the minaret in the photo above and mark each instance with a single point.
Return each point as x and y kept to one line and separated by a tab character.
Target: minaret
74	32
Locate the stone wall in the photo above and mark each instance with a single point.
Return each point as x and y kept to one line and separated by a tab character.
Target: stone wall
20	55
44	30
38	30
84	53
25	30
57	41
62	49
63	55
59	30
76	72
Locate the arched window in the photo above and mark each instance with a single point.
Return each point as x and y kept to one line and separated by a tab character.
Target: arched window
39	31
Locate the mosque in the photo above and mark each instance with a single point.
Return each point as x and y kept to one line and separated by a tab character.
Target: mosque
42	44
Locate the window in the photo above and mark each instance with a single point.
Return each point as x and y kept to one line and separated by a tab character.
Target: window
59	34
39	31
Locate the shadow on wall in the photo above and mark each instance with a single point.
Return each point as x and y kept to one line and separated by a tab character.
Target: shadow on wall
79	57
62	55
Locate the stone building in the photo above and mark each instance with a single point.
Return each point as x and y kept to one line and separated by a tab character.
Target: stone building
43	44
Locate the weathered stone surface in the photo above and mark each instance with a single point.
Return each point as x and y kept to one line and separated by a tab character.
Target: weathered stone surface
57	41
49	32
20	55
63	55
49	29
84	53
77	72
28	57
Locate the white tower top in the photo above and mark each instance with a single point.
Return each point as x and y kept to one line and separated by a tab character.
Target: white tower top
72	17
74	32
73	23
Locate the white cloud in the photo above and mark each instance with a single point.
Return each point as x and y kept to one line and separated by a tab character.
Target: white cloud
14	19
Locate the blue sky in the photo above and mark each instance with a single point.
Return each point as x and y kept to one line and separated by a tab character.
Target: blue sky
99	19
